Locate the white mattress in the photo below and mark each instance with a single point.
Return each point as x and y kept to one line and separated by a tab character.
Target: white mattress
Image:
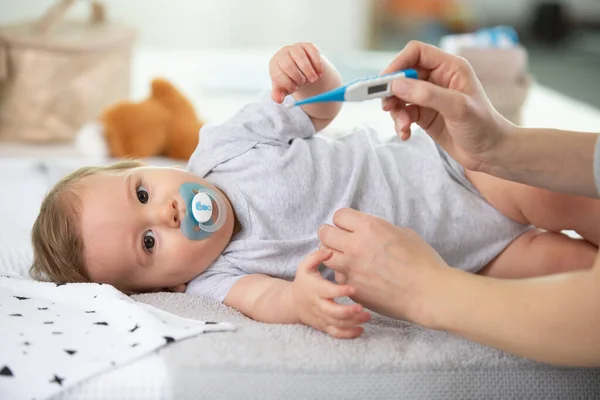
145	379
24	181
22	187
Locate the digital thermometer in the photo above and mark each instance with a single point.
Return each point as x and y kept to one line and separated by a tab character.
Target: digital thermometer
361	89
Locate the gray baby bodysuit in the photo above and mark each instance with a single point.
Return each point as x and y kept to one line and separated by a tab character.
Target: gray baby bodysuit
284	182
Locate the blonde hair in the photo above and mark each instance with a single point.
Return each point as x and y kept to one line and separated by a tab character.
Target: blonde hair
58	250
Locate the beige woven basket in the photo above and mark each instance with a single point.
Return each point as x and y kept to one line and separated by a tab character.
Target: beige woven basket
56	75
504	76
508	98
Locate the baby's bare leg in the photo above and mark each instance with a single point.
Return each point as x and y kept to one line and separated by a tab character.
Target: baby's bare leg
538	253
544	209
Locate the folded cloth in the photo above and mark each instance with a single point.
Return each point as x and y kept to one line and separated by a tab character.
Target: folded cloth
53	336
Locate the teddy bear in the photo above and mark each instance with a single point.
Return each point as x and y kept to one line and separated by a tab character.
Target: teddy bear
165	124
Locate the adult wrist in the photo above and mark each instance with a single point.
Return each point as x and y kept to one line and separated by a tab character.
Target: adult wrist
507	144
433	303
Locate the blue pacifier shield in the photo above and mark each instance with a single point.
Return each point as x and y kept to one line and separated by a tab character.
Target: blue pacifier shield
198	222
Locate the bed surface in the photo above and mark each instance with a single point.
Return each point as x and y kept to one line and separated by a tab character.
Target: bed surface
391	359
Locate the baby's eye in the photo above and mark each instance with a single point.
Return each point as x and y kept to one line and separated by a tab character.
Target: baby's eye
142	194
148	241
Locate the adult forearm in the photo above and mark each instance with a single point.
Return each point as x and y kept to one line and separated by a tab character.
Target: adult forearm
554	319
548	158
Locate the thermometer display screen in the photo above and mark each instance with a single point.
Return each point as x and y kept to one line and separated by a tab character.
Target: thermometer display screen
377	88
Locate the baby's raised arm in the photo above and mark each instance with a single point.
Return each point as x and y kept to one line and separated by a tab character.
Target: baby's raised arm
301	70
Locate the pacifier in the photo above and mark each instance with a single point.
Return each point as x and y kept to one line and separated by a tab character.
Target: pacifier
198	224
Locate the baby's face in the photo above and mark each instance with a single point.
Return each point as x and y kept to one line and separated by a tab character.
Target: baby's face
130	224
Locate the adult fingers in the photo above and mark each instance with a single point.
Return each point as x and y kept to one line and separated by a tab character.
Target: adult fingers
349	220
390	103
450	103
334	238
404	117
337	262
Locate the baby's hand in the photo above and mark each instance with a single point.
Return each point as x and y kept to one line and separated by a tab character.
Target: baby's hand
314	298
293	67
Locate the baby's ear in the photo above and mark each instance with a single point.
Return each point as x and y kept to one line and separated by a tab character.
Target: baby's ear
177	289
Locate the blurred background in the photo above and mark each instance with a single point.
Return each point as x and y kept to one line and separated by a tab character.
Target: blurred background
562	37
211	48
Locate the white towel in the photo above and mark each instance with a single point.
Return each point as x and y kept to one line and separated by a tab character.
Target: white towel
53	336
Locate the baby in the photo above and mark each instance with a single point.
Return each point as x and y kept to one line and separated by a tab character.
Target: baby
241	224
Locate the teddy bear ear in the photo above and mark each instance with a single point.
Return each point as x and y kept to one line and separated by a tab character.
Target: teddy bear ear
163	88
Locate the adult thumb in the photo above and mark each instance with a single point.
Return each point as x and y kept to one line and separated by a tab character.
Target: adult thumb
447	102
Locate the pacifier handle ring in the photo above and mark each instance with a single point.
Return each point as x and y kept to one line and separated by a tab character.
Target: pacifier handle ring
222	214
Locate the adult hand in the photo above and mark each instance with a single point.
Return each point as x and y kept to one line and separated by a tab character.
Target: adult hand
448	102
391	268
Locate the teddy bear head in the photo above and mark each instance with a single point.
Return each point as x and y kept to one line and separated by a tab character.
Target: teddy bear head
164	124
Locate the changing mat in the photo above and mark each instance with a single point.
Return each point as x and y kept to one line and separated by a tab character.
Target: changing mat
55	335
392	359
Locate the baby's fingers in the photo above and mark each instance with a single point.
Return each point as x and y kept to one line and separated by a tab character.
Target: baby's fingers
331	309
349	322
291	69
343	316
315	57
329	290
344	333
281	87
303	62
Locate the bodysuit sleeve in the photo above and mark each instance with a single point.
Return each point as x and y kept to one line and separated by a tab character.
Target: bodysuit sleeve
261	122
215	282
265	121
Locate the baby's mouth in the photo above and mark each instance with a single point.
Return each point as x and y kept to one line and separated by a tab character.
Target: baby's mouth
205	211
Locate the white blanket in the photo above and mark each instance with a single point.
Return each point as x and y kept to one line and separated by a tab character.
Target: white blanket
54	336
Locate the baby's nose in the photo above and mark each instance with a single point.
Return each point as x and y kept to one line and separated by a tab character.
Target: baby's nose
169	214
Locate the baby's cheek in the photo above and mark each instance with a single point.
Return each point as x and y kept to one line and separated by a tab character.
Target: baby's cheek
179	249
197	255
183	260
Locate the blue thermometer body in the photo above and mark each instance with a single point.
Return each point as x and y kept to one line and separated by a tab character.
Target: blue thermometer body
361	89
